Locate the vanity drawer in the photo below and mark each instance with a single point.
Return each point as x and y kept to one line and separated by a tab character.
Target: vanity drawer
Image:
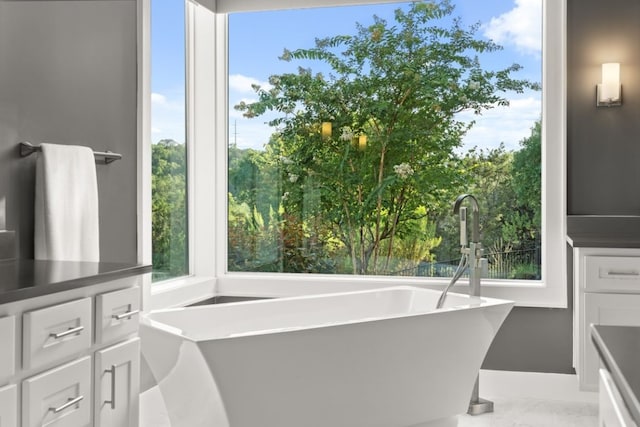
117	314
7	348
9	406
612	274
58	397
56	332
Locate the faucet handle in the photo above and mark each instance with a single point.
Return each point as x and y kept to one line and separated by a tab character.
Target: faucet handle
463	226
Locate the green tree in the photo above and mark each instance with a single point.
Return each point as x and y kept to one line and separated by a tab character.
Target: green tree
392	99
524	222
488	176
169	209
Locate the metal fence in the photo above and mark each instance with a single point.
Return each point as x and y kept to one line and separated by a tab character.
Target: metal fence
521	264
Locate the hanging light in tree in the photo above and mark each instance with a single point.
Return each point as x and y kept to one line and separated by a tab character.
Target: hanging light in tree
362	142
326	130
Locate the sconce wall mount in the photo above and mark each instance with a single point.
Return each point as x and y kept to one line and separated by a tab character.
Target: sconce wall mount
609	92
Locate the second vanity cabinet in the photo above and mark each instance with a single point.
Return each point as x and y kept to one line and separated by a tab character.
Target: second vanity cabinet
606	292
72	358
612	410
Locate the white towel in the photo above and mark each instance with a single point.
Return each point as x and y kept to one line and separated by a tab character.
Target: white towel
66	204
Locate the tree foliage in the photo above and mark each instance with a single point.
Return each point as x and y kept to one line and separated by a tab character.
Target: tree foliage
392	98
523	223
169	212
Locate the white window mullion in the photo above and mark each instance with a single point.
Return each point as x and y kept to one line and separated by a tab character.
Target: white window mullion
202	156
222	131
144	142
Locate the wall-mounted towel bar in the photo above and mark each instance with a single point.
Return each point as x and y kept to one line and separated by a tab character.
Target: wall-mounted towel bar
27	148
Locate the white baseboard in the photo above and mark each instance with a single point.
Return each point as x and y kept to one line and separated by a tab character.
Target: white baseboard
562	387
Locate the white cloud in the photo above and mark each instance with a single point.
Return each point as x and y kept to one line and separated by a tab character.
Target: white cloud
158	99
520	27
242	84
508	125
167	117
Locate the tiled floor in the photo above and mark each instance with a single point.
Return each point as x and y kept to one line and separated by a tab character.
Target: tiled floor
521	412
152	410
509	412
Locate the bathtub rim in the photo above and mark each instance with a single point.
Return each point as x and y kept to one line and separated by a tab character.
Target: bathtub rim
476	303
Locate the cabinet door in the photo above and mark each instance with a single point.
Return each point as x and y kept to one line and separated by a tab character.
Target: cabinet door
8	406
117	385
604	309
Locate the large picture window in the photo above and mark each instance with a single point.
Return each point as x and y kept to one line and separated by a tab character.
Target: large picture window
353	129
332	140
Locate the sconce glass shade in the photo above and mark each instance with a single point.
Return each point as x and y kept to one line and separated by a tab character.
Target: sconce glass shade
609	91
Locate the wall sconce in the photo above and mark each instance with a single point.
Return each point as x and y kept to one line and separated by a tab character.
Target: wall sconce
609	92
326	130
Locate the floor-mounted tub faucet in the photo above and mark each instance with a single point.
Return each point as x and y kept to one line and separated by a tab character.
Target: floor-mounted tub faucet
477	264
472	253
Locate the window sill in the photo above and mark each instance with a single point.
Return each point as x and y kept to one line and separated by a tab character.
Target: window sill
178	292
527	293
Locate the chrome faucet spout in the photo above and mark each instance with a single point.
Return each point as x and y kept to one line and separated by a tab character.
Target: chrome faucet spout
475	228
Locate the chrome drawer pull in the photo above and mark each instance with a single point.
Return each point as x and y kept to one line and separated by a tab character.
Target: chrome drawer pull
69	331
71	402
112	371
623	273
128	315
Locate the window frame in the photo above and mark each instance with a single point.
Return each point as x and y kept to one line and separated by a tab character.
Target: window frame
200	94
207	200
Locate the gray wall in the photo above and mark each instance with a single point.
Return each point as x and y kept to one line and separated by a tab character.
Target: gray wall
603	144
536	339
68	76
603	166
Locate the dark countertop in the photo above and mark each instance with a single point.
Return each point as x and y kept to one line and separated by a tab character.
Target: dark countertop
21	279
619	349
598	231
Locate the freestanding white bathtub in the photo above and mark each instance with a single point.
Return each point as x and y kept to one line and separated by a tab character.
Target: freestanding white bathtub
375	358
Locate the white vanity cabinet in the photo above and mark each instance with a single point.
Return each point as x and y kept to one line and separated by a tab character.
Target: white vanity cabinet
606	292
72	358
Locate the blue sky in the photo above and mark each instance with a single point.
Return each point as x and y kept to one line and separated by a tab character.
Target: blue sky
167	70
257	39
